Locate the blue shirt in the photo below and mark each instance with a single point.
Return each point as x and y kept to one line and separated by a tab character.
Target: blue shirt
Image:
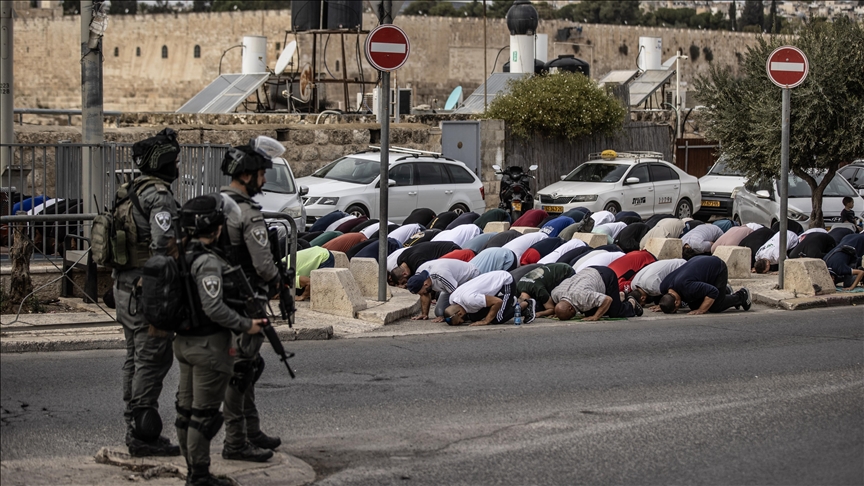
553	227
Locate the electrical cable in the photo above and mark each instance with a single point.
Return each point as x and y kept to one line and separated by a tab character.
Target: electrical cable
494	64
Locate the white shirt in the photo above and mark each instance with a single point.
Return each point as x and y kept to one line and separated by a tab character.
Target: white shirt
649	278
601	260
665	228
405	232
754	226
519	245
338	222
391	259
702	237
586	256
372	229
448	274
813	230
561	250
609	229
459	234
602	217
472	294
771	249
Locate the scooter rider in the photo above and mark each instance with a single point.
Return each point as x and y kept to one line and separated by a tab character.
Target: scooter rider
249	247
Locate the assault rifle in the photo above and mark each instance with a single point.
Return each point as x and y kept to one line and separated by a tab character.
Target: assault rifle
286	290
256	309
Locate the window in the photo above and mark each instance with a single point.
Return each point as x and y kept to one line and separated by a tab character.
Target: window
337	65
640	171
278	45
116	51
196	52
403	174
164	52
458	175
429	173
137	52
661	173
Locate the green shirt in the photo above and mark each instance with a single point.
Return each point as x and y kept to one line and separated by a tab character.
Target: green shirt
538	283
308	260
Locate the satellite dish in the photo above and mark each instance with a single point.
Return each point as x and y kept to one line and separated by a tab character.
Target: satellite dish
286	57
306	83
454	99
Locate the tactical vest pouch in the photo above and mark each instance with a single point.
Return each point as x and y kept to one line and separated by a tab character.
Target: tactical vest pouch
101	243
117	245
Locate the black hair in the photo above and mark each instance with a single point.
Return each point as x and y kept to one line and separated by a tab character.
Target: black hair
667	304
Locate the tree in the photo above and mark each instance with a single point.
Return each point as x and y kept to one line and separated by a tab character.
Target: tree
123	7
827	109
774	21
753	14
568	105
733	15
202	5
603	12
71	7
231	5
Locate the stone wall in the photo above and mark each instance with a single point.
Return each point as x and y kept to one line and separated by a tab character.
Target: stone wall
445	53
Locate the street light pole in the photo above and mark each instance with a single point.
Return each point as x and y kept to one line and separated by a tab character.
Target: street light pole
7	79
92	130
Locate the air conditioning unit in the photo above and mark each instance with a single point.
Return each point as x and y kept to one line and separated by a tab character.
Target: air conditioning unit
670	97
365	101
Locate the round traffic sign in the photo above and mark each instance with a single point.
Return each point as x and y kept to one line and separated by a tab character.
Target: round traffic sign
387	47
787	67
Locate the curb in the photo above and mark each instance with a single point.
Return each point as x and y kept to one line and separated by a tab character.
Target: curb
810	302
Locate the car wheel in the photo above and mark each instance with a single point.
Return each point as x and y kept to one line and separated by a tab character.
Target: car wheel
612	207
459	209
684	210
737	219
773	222
357	210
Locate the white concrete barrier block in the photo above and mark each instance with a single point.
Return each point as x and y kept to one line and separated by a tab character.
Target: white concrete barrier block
365	271
496	227
334	291
525	229
807	276
665	248
340	260
591	239
737	260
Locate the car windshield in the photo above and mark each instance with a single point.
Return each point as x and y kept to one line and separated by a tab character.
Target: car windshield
721	169
279	180
349	169
597	172
838	187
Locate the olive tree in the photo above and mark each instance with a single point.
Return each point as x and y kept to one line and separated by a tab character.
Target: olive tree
827	111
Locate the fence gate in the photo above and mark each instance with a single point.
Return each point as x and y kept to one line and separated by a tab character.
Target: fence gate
695	156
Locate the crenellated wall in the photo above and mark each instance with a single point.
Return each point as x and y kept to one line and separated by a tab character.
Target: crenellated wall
445	53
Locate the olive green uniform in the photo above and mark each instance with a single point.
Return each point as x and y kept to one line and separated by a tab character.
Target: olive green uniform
148	350
205	357
250	248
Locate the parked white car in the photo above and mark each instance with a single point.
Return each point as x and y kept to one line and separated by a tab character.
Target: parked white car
633	181
281	193
759	201
717	186
417	180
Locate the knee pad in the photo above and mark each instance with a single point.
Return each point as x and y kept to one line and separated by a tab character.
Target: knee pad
146	424
207	421
184	415
259	369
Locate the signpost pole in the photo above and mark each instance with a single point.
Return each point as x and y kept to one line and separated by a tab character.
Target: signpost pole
784	183
384	116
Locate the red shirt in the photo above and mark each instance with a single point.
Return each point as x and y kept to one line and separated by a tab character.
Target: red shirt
532	218
465	255
344	242
627	266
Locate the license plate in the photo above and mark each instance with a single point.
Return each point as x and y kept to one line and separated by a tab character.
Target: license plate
711	204
517	205
553	209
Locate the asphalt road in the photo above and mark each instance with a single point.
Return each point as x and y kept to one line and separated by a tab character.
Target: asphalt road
755	398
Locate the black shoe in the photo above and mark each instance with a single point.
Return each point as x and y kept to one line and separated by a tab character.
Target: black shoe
530	311
264	441
248	452
637	309
748	299
139	448
202	477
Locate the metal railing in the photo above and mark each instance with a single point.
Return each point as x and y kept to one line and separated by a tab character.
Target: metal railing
68	113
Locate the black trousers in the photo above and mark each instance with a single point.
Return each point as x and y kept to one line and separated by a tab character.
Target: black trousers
618	308
507	311
724	300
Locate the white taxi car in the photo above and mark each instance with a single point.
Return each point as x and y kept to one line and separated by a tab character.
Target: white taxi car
626	181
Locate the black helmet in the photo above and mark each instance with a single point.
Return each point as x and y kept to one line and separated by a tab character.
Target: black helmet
202	215
256	155
154	154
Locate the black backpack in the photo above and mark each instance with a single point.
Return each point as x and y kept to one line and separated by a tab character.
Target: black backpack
163	297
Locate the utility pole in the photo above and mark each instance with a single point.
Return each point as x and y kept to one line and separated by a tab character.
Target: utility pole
7	79
92	130
386	17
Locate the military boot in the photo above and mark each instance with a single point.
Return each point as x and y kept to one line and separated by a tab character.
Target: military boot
159	447
248	452
200	476
264	441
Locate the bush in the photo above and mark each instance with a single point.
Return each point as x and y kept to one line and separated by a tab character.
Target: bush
567	105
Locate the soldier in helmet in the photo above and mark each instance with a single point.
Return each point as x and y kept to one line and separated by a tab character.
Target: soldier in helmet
148	350
204	351
250	248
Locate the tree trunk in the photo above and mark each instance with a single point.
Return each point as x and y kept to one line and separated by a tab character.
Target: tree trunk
20	284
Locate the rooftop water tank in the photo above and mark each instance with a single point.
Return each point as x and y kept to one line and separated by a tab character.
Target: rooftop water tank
569	63
307	15
254	54
650	53
539	67
344	14
522	18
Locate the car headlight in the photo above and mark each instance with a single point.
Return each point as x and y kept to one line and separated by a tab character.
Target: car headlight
293	212
329	201
584	198
308	201
797	216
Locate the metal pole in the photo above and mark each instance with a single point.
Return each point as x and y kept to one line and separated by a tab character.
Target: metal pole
383	182
485	68
7	79
678	94
92	132
784	183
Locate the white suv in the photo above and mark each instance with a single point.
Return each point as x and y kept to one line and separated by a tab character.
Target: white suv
417	180
632	181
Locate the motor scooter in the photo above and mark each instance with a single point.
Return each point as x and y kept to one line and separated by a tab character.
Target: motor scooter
515	193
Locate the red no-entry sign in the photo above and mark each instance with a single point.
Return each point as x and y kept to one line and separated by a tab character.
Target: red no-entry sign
387	47
787	67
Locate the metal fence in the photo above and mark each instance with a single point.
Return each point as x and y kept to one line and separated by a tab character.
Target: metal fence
69	178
